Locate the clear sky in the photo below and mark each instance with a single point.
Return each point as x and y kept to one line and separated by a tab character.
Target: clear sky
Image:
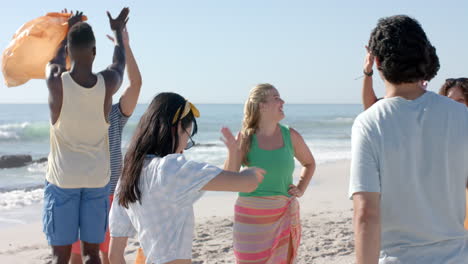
214	51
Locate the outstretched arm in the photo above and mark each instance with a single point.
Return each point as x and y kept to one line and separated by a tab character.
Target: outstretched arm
368	95
245	181
129	98
114	73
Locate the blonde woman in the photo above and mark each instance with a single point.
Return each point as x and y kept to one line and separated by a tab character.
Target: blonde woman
267	225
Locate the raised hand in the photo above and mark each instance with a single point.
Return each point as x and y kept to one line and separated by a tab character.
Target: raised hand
125	37
74	18
119	23
231	142
369	61
259	173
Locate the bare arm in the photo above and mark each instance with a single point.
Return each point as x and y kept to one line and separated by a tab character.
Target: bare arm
368	95
367	227
245	181
234	158
55	68
113	75
305	157
232	162
58	62
117	249
54	71
130	96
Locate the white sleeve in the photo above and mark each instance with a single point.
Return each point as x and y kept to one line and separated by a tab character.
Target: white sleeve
187	178
119	221
365	176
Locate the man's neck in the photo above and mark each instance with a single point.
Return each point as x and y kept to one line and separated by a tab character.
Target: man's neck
408	91
83	74
81	68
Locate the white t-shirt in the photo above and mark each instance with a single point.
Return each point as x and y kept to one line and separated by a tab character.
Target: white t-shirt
164	221
415	154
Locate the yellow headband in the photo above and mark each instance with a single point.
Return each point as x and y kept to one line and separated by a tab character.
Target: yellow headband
188	106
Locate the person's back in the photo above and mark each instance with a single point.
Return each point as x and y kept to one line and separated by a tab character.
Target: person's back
420	147
76	192
409	152
79	153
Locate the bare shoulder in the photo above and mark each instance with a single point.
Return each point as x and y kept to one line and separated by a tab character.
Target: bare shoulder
294	134
113	79
110	77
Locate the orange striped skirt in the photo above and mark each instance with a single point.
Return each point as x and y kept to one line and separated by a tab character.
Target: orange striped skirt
267	230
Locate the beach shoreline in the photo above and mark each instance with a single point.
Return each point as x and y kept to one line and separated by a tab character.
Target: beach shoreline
325	215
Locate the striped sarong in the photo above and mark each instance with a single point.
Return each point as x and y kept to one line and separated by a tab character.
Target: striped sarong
266	230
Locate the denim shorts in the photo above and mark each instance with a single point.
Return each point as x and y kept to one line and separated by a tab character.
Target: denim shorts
72	214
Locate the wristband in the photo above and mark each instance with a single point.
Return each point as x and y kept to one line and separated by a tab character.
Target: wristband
368	73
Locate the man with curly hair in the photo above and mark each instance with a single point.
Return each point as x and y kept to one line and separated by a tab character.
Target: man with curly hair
407	182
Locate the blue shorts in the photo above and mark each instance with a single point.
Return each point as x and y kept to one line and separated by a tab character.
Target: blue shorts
72	214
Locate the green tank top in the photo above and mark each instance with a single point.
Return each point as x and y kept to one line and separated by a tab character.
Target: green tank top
278	164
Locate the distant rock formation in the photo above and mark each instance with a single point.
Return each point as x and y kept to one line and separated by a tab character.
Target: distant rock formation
16	161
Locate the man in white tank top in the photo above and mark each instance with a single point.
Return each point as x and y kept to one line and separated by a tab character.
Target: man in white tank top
76	192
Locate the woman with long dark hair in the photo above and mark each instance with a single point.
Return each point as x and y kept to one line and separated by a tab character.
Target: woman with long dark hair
159	186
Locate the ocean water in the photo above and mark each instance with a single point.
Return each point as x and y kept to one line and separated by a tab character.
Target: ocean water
24	129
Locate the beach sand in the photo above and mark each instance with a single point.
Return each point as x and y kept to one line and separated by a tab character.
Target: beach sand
325	214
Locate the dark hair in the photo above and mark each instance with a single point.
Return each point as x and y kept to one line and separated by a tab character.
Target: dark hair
451	83
403	50
81	35
155	134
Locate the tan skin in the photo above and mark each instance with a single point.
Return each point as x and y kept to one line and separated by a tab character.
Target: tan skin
245	181
366	221
81	71
128	102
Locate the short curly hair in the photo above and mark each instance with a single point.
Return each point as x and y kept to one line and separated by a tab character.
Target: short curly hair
403	50
81	35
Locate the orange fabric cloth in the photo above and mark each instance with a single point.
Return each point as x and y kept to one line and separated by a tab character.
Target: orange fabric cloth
33	45
140	257
466	214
